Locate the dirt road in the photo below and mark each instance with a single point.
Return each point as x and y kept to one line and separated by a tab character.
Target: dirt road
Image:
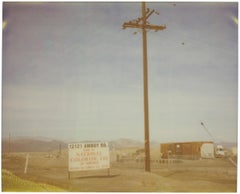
217	175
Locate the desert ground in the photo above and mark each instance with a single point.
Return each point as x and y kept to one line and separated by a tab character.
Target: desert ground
204	175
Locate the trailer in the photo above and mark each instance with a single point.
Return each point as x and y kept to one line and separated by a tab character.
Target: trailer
187	150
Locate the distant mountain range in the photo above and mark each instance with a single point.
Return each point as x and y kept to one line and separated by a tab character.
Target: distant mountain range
41	144
228	144
122	143
31	145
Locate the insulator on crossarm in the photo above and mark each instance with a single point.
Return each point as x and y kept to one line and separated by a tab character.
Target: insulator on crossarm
138	20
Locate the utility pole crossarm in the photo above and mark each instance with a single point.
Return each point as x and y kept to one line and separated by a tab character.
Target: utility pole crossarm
154	27
147	26
142	22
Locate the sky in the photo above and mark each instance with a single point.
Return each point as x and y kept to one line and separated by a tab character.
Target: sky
70	72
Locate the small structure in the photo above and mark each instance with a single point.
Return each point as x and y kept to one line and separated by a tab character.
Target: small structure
234	151
207	150
187	150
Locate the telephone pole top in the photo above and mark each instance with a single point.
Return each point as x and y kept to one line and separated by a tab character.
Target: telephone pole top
143	24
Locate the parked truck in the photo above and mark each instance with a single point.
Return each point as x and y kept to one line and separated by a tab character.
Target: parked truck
219	151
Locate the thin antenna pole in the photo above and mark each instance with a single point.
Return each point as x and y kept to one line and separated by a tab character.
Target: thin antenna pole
208	132
9	143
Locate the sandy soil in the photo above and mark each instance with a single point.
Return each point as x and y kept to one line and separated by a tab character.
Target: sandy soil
208	175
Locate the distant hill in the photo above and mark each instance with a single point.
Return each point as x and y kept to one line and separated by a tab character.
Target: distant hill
36	144
124	143
228	145
127	143
41	144
31	145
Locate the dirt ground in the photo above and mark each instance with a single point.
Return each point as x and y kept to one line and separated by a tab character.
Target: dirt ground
206	175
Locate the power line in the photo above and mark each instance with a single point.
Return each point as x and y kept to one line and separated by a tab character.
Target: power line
144	25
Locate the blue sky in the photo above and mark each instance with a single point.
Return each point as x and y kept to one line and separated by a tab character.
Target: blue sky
69	71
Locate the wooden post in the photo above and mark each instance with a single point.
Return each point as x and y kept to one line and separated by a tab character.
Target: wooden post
60	149
26	163
9	143
69	175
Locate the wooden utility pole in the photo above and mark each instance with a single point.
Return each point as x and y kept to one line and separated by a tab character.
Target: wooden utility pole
143	24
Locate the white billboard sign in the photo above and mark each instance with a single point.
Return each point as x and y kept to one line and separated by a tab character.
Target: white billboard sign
88	156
